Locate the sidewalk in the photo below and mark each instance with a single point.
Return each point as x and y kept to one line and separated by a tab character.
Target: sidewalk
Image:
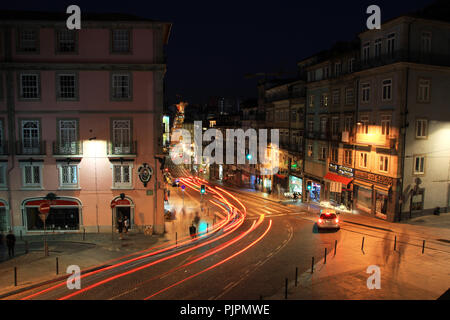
405	273
95	250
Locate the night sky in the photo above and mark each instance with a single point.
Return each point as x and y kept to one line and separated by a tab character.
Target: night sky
213	44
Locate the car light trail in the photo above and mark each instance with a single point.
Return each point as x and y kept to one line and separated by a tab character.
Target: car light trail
215	265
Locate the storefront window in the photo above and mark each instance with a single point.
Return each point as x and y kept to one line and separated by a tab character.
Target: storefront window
364	197
295	184
314	194
3	220
381	202
58	219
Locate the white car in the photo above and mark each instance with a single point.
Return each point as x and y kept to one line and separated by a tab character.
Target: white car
328	220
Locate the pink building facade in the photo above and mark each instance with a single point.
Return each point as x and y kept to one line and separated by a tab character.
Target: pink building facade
80	115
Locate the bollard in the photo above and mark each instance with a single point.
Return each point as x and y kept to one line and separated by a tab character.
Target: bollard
423	247
296	276
362	245
84	234
57	266
207	227
176	239
15	276
312	265
335	246
286	289
325	257
395	243
20	234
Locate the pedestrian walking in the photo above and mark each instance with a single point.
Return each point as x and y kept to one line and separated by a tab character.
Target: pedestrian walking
192	230
120	227
126	224
10	243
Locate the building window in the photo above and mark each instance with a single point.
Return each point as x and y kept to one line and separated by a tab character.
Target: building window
335	155
349	96
31	142
68	176
348	123
66	41
378	48
423	91
426	42
32	175
351	64
122	175
121	41
335	126
391	45
3	168
348	157
363	125
121	136
336	97
363	156
385	125
383	163
387	89
310	150
324	100
121	86
68	137
29	86
311	101
67	86
28	40
323	125
323	153
366	52
419	164
311	125
365	92
421	128
337	68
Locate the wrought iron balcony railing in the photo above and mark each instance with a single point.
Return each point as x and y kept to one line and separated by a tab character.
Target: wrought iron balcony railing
67	148
31	147
122	149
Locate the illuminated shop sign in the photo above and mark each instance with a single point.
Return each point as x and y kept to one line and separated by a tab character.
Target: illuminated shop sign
342	170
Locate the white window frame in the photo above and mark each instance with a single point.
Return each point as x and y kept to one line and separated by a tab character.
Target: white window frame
348	157
421	159
364	126
121	184
33	185
386	125
421	128
62	185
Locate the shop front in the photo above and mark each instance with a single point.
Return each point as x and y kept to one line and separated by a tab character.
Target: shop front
123	207
295	185
64	215
338	187
374	194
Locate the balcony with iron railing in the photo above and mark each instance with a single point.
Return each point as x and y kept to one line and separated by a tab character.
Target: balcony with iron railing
31	147
122	149
71	148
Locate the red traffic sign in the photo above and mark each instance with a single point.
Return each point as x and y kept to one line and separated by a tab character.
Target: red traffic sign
44	208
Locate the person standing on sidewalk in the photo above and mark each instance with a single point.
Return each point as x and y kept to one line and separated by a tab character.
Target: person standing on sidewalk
120	227
126	225
10	243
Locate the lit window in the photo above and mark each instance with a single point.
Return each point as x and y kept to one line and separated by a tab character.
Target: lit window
324	100
364	125
419	165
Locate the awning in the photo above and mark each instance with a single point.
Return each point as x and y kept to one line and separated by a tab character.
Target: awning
337	178
363	184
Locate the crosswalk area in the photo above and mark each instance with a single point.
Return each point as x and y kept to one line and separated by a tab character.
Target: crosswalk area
256	207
